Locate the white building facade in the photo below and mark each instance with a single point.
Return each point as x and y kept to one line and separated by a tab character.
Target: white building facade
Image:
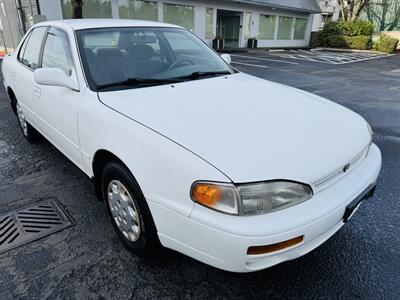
330	11
274	23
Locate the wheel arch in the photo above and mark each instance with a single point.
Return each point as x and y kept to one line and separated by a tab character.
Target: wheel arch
13	99
100	159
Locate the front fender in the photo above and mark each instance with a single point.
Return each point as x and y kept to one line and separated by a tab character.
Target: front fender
163	169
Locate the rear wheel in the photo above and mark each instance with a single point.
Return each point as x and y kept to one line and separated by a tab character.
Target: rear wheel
128	210
28	131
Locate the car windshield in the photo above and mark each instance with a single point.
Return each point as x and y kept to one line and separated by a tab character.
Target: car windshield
138	57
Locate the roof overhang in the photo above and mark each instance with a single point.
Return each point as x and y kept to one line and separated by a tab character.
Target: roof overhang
312	6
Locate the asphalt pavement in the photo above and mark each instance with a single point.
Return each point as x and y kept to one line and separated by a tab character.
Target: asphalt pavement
86	261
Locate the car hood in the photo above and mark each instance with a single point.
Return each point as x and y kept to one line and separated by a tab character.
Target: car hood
249	128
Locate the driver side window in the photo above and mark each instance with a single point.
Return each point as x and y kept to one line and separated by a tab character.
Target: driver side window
57	51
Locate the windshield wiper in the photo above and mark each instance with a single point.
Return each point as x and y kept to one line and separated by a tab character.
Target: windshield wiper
138	82
196	75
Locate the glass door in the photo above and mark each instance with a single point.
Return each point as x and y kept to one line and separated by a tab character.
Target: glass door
230	30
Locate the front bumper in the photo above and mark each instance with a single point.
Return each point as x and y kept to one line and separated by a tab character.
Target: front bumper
222	240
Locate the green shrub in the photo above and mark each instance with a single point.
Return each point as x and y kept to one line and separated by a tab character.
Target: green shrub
336	41
356	28
352	42
360	42
345	28
386	44
330	29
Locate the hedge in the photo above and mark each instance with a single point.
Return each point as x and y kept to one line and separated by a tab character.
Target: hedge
353	42
386	44
346	28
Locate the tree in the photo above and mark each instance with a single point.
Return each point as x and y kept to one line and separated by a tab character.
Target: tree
385	14
350	9
76	8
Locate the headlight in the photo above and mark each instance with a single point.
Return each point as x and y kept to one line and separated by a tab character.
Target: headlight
265	197
250	199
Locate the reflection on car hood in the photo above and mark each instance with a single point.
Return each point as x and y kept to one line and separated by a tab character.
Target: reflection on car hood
251	129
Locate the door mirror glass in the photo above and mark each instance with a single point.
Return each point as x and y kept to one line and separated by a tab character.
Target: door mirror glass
55	77
227	58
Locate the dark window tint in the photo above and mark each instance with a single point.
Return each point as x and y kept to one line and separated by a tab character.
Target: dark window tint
56	53
32	50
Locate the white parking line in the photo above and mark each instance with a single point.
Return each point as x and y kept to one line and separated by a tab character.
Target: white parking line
250	65
266	59
334	58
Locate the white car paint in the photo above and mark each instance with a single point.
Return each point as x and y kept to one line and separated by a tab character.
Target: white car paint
236	128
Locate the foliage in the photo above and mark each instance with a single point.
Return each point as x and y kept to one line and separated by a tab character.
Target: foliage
345	28
330	29
361	42
356	28
386	44
336	41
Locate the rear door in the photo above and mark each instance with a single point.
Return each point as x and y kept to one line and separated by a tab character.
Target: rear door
21	74
58	106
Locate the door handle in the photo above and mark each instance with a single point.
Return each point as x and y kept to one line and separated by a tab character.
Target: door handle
37	91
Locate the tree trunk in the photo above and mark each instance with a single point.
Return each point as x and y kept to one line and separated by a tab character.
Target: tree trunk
351	9
76	9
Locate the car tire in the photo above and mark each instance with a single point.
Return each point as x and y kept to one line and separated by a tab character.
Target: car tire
30	133
128	210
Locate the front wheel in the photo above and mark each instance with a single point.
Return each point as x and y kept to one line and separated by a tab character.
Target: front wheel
28	131
128	210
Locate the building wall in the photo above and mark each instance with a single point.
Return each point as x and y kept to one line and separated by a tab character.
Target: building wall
53	11
330	11
11	29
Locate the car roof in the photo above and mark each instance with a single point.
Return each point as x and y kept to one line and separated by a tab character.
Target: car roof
78	24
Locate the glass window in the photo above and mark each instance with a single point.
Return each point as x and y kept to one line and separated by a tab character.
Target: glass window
285	28
90	9
138	9
300	28
266	30
57	52
152	55
32	50
102	39
23	47
247	25
182	15
210	23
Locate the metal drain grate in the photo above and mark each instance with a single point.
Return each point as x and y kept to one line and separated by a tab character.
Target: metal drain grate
31	223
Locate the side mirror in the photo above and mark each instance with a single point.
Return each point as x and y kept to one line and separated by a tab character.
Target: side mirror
55	77
227	58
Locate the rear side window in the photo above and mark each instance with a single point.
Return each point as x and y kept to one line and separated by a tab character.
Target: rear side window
30	57
23	47
57	52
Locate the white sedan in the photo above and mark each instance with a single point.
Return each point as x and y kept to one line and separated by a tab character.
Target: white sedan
188	153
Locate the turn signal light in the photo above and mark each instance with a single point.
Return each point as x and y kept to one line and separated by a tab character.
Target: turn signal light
257	250
206	194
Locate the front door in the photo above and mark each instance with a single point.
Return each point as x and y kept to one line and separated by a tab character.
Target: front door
230	28
57	107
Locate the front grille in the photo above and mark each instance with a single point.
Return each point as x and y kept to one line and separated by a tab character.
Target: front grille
31	223
339	173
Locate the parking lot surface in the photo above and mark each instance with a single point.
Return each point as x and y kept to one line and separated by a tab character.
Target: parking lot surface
86	261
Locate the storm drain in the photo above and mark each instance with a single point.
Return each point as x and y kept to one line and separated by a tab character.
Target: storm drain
31	223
